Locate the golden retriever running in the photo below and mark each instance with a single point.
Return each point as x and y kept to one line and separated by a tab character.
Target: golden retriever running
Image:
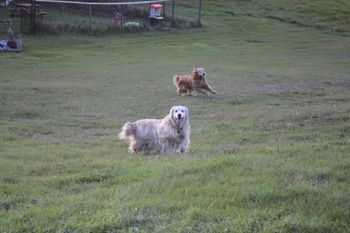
168	135
192	84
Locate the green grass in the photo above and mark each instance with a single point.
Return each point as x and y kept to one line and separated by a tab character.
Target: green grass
269	152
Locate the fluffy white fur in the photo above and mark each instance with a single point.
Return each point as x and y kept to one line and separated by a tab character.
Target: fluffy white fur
168	135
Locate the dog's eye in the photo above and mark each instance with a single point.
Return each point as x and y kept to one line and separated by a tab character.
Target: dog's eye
182	110
175	110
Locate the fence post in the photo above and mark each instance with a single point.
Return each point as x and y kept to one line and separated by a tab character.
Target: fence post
90	18
200	13
33	16
173	14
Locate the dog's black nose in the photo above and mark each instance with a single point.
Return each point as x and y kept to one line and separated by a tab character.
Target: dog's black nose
179	116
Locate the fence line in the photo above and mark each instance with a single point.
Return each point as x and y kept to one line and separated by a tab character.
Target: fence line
102	3
106	3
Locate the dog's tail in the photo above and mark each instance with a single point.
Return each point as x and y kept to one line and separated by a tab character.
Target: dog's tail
176	79
128	129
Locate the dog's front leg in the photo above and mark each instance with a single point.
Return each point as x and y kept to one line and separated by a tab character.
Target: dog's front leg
170	147
166	150
204	91
207	91
181	150
184	146
206	87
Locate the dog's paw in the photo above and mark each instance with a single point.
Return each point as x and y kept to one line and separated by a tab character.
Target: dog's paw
193	93
214	92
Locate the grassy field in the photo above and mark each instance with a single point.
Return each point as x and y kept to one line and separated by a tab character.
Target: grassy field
269	153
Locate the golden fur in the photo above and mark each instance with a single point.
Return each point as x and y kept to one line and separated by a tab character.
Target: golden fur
168	135
192	84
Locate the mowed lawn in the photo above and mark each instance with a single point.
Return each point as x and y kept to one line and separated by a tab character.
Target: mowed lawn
269	153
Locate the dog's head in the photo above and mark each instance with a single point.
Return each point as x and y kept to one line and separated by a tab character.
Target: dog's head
199	81
198	73
179	114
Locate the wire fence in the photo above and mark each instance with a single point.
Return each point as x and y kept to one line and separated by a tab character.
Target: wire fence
103	16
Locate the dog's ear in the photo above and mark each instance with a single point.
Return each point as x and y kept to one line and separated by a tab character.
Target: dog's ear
172	112
185	108
187	113
194	71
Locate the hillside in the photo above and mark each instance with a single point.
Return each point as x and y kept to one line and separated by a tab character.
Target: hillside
269	152
327	15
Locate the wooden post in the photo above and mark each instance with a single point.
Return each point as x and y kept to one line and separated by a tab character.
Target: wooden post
149	14
33	16
90	15
200	13
122	21
173	14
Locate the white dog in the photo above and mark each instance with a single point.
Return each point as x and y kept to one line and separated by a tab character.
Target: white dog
168	135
